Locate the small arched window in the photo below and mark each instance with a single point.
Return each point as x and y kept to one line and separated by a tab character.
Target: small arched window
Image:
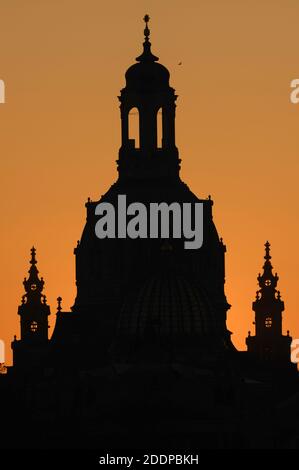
159	128
134	128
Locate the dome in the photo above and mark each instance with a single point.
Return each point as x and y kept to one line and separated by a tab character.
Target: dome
167	305
147	75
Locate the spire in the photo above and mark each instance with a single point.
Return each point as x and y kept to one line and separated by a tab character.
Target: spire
268	343
33	313
33	253
267	279
147	55
146	30
33	284
33	271
59	307
267	255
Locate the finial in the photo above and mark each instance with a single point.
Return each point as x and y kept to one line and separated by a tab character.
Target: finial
278	295
147	55
146	30
267	255
33	253
249	333
59	308
44	299
15	337
288	332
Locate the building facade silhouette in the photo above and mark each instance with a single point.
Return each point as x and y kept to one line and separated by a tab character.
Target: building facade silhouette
119	280
144	356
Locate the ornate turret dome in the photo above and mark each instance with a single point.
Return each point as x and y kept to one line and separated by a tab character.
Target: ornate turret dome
147	74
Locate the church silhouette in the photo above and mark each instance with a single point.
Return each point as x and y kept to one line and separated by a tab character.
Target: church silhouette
144	358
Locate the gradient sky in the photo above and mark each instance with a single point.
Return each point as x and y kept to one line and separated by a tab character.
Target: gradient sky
63	63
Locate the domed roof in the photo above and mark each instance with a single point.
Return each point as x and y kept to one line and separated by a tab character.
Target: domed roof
147	74
167	305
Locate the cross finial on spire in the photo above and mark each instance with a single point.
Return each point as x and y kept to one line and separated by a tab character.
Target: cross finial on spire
146	30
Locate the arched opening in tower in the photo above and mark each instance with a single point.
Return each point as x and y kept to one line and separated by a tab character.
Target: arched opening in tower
134	127
159	128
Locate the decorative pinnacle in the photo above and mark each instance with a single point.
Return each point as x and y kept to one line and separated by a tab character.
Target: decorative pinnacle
59	307
146	29
267	256
33	253
147	55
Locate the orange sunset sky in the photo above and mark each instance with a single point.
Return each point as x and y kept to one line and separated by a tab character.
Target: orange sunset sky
63	64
